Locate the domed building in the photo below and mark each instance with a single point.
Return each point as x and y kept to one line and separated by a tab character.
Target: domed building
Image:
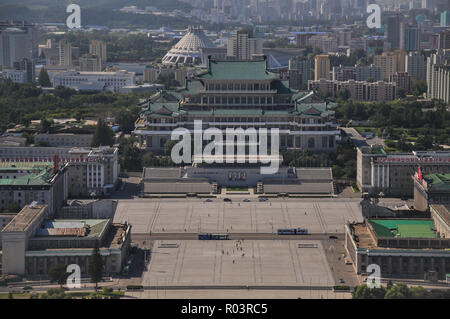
188	49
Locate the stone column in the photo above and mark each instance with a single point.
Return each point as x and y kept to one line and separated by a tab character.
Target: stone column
389	266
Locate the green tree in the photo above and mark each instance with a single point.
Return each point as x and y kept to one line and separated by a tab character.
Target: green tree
58	274
103	135
126	119
130	155
401	93
96	265
44	79
55	293
420	87
398	291
46	125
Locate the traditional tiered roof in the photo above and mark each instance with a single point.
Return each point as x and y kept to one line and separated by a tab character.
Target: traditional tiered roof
238	70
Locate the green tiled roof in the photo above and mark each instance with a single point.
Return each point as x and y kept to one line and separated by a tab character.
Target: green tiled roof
238	70
42	173
438	181
404	228
193	87
162	109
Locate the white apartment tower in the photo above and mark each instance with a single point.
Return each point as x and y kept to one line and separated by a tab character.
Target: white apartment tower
244	46
65	53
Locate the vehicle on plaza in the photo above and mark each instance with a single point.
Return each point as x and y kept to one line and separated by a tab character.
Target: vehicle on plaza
292	231
209	236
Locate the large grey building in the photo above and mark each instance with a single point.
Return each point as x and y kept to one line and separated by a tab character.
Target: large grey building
90	170
240	94
18	40
27	182
390	173
416	65
33	242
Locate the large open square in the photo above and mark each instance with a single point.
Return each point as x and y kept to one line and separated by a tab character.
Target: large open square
228	263
317	215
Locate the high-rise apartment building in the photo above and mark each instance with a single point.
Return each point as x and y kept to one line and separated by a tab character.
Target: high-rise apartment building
98	48
244	46
388	64
402	80
18	40
439	58
302	65
444	40
410	37
393	30
27	66
65	53
416	65
445	19
440	75
90	63
322	67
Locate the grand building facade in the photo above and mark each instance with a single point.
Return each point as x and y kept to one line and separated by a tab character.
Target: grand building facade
240	94
390	173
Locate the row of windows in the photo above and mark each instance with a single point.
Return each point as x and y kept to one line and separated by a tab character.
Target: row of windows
237	87
238	100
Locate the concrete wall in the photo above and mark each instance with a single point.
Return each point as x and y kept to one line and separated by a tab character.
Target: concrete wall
14	245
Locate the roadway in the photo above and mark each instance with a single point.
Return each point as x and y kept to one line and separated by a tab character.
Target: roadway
233	236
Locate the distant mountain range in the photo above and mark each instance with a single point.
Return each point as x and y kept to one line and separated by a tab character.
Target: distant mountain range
97	12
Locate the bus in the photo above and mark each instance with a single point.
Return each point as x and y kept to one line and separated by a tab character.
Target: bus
289	231
293	231
203	236
208	236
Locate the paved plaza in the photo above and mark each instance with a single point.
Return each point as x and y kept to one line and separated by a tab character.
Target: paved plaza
238	294
317	215
253	263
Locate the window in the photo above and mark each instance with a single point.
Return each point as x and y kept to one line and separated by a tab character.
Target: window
311	143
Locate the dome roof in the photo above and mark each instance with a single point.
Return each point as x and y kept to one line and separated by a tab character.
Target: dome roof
188	49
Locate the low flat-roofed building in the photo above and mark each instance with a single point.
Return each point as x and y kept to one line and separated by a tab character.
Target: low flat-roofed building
207	178
12	141
64	139
401	247
33	244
